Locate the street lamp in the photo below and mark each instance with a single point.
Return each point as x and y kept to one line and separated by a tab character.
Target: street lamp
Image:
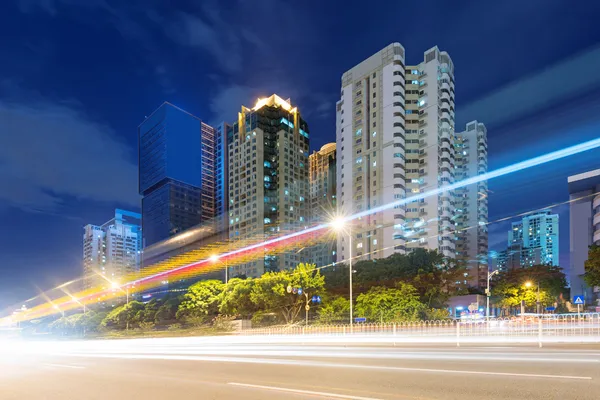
529	284
488	293
214	259
115	285
340	225
59	309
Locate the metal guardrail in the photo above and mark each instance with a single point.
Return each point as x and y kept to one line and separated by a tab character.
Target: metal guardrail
555	325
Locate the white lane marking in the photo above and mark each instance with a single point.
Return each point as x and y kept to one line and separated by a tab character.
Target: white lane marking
301	363
309	392
64	366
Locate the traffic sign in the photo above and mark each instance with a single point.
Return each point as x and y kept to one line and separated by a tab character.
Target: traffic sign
578	299
318	299
300	291
307	307
295	290
360	319
550	308
289	289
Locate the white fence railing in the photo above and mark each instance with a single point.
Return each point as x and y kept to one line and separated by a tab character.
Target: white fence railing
555	325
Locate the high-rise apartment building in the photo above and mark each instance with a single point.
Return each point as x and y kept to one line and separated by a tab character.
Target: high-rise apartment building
471	203
539	230
323	207
177	165
224	135
394	136
268	179
112	249
584	226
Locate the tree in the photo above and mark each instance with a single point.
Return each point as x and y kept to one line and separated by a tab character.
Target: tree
125	316
391	304
510	288
270	291
592	266
167	312
201	300
434	276
334	310
236	298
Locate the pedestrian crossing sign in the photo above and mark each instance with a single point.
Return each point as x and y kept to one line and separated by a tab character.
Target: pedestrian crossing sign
578	299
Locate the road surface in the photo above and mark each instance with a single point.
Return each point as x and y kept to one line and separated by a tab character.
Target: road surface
190	368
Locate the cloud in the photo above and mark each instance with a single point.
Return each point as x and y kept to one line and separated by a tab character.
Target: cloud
228	100
217	38
536	92
163	79
52	151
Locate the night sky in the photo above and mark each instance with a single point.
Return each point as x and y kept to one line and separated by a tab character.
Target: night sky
78	76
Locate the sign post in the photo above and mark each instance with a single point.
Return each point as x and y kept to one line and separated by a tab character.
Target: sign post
579	300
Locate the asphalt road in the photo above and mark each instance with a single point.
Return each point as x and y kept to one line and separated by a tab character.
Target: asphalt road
198	369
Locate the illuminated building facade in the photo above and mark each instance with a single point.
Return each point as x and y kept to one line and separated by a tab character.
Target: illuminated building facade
323	202
177	163
394	136
584	228
112	249
538	230
268	180
471	203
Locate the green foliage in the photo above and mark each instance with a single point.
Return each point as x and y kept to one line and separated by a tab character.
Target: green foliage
592	267
382	304
167	312
223	323
270	291
236	299
429	272
201	299
260	319
174	327
146	326
334	310
436	314
128	315
509	288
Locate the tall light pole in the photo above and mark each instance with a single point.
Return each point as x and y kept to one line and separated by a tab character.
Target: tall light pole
488	293
215	258
340	225
537	303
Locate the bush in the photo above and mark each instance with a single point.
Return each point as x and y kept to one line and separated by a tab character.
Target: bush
436	314
146	326
223	323
174	327
265	319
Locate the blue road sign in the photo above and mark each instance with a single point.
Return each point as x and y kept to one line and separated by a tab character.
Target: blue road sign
550	308
314	299
360	320
579	299
300	291
318	299
294	290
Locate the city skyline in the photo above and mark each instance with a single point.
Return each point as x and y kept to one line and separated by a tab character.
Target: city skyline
61	258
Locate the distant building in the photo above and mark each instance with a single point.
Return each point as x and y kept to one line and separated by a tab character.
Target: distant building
111	251
224	136
177	164
471	203
584	227
268	180
323	201
394	137
516	256
539	230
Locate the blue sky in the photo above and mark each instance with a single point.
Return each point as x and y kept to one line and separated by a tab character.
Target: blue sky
78	76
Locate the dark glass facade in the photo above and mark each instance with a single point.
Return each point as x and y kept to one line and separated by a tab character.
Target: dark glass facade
176	173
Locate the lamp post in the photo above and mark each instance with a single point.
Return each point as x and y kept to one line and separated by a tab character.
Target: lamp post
488	293
537	303
215	258
340	225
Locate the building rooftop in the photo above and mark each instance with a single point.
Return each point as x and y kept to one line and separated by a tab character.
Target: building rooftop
584	181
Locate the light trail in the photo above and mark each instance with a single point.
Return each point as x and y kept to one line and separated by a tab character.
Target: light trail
533	162
287	238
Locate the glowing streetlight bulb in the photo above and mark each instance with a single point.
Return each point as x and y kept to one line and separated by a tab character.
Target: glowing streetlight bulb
214	258
528	284
115	285
338	224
